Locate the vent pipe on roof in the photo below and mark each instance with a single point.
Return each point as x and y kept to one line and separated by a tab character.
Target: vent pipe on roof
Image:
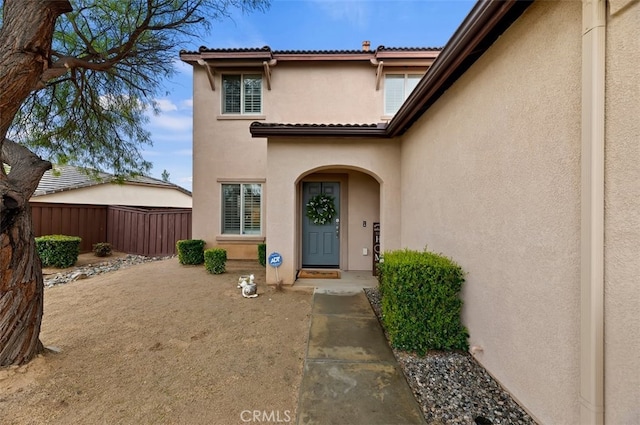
366	45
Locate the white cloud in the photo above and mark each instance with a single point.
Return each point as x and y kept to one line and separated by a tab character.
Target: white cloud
171	122
166	105
187	103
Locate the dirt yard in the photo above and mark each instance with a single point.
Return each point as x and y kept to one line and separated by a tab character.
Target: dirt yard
161	343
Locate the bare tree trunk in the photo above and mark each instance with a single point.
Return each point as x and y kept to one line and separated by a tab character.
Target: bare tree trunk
21	290
21	282
25	45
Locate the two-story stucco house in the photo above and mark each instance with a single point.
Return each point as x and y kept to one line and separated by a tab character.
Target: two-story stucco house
235	87
517	154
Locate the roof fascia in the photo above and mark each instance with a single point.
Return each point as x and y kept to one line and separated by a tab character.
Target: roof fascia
407	54
251	55
364	56
483	25
318	131
241	58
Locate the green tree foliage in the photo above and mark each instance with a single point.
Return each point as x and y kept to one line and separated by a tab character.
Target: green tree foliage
107	63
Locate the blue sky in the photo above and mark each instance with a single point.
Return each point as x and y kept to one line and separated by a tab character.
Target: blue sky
295	25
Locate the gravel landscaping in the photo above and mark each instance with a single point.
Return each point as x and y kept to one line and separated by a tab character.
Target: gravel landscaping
101	266
452	388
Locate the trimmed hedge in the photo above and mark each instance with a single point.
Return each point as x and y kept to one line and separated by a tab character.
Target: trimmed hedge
215	260
262	254
420	301
102	249
58	250
190	251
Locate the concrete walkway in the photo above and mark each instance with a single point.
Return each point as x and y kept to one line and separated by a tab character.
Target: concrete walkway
350	375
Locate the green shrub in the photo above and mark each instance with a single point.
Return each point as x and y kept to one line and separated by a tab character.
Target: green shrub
102	249
58	250
215	260
190	251
262	254
420	301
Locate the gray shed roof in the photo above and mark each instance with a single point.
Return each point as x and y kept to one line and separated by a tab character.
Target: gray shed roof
69	177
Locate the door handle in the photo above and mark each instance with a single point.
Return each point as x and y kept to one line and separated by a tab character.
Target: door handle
337	228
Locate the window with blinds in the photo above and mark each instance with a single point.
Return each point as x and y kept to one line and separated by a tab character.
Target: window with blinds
242	94
242	209
397	87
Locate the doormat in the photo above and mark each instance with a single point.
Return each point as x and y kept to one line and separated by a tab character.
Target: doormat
319	274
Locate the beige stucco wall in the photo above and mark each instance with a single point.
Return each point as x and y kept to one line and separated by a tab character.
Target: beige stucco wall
622	215
124	194
326	93
491	178
364	206
290	161
224	151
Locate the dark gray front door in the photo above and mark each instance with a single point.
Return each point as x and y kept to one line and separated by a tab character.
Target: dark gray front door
321	242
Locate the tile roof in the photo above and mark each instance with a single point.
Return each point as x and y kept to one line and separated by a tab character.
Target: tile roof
262	129
267	49
270	124
358	51
68	177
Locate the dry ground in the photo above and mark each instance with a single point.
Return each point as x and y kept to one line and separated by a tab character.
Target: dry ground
161	343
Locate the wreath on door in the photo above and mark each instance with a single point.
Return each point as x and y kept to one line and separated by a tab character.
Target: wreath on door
321	209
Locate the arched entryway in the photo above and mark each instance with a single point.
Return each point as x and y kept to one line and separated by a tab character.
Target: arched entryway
345	240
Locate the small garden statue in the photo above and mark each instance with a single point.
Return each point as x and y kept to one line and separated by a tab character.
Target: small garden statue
249	288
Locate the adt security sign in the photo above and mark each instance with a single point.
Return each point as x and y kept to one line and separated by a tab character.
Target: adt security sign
275	259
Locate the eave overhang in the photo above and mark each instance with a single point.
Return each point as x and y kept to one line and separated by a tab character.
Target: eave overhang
480	29
483	25
406	56
259	129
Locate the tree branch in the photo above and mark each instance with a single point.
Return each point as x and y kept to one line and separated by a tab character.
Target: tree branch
27	168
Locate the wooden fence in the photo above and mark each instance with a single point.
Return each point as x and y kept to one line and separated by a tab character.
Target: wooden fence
87	221
141	231
147	231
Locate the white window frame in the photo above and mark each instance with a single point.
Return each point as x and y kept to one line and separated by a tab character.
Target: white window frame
409	82
243	104
242	231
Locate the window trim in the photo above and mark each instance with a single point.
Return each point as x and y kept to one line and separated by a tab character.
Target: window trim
406	78
244	236
242	113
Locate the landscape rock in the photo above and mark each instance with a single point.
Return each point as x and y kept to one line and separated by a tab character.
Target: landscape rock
91	270
452	387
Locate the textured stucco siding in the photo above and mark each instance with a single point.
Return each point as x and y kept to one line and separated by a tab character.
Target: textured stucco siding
364	206
491	178
223	149
366	167
622	215
324	93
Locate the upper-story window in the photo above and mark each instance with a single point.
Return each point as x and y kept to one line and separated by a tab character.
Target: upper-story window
242	94
397	88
